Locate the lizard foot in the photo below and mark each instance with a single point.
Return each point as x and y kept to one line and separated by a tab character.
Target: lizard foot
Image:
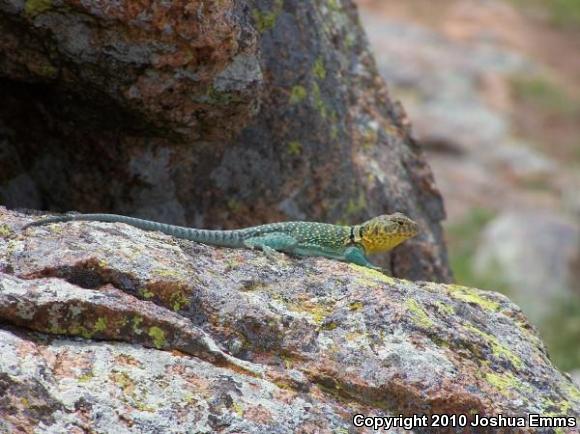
272	253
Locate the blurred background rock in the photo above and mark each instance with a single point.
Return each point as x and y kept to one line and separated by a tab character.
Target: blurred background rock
492	88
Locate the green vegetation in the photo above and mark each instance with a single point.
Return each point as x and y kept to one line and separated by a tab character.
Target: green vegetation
565	12
561	332
462	242
547	115
561	13
545	95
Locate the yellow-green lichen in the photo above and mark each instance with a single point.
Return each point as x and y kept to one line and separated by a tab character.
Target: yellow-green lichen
141	406
123	380
420	317
356	206
216	97
503	383
136	324
572	390
57	329
318	69
330	326
47	71
5	231
354	336
472	295
498	349
319	104
11	246
166	272
86	377
294	148
158	337
334	130
370	137
238	409
349	41
334	5
318	313
145	293
367	276
178	300
288	362
120	323
188	398
355	306
232	262
551	408
35	7
297	94
445	308
56	229
266	20
79	330
316	310
100	325
234	205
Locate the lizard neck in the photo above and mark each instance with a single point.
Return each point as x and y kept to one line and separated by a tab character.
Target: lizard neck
355	236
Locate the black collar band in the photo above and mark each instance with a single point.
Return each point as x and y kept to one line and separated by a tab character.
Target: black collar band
351	234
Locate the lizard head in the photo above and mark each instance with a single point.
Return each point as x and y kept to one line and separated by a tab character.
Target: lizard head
384	232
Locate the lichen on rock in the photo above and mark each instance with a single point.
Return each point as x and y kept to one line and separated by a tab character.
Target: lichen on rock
276	345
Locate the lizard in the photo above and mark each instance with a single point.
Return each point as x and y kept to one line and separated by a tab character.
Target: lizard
299	238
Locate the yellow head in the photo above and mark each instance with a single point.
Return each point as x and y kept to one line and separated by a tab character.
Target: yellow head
384	232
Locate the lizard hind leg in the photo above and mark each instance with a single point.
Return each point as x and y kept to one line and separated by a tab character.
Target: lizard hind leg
272	243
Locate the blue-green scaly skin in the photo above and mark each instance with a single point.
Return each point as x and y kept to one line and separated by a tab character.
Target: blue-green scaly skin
296	238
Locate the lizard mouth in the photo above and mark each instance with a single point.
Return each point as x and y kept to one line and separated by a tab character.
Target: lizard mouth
411	229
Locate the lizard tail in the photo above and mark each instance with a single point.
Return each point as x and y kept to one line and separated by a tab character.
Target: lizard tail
216	238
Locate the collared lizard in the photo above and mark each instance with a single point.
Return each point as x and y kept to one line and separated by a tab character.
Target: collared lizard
344	243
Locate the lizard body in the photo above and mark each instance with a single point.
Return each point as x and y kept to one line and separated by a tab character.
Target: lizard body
344	243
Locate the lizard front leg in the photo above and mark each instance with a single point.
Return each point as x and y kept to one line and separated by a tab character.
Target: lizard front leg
271	243
357	256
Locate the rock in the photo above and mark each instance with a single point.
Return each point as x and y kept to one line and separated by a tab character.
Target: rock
215	114
521	162
576	377
107	328
439	81
533	252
